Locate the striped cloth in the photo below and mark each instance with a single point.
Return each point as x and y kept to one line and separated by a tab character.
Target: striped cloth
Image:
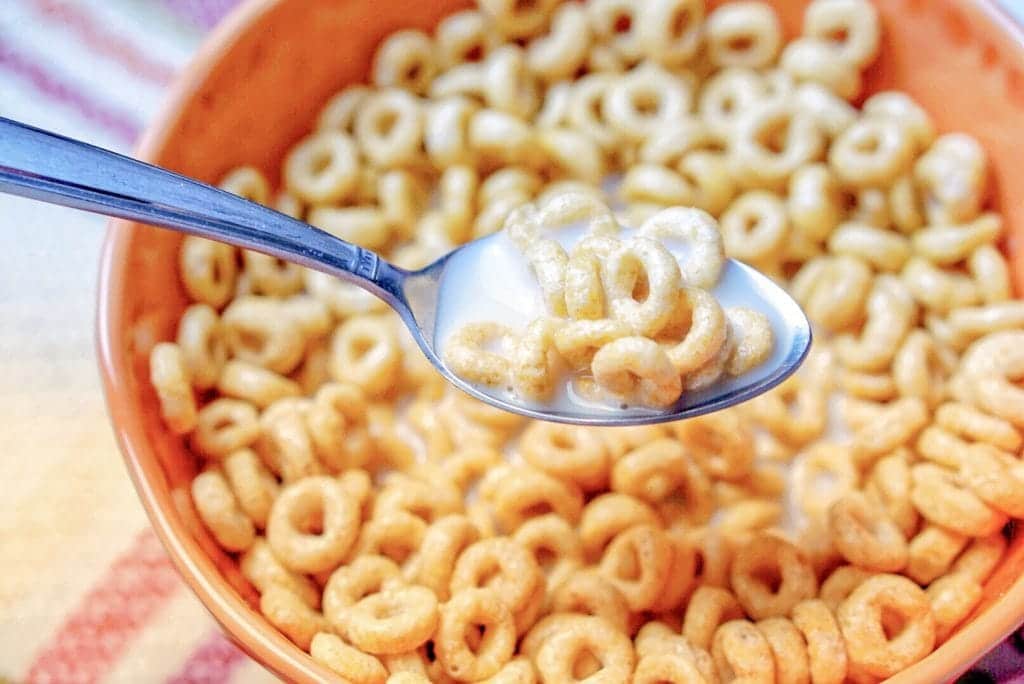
87	594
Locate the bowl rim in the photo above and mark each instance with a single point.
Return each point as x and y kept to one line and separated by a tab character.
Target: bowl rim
951	658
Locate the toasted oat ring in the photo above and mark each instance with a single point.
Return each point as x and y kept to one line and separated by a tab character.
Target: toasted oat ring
637	369
606	516
862	618
768	555
741	653
467	609
575	637
705	334
435	560
698	229
351	583
865	535
826	653
554	543
789	652
638	562
500	564
666	668
587	592
296	508
396	619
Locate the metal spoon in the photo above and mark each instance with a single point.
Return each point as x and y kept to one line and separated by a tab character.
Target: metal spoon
44	166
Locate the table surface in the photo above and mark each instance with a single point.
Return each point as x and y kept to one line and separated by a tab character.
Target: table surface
74	541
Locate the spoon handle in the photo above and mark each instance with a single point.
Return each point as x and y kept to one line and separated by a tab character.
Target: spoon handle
45	166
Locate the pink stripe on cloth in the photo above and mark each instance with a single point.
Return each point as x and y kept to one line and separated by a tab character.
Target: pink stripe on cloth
115	610
202	13
104	42
211	663
120	125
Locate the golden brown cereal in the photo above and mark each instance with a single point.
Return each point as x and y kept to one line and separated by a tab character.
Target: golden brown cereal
353	582
589	593
304	506
789	652
202	344
503	566
220	512
208	270
769	577
287	611
826	653
249	382
720	442
259	565
741	652
743	34
862	618
865	535
708	608
396	619
554	544
638	562
578	636
351	663
606	516
661	471
322	168
468	609
254	486
170	377
636	370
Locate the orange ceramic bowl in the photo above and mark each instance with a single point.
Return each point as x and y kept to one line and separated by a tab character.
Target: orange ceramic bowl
254	90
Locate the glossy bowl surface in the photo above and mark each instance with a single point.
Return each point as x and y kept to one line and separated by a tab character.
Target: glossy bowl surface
254	90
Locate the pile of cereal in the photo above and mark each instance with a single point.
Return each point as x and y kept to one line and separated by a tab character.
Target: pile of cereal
625	320
839	527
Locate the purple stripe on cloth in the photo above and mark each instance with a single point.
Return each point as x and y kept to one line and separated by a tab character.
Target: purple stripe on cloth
202	13
119	124
211	663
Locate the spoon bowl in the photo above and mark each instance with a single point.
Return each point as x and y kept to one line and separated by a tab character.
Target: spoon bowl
48	167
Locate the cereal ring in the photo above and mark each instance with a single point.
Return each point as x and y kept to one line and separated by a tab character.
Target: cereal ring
220	512
394	620
863	619
826	653
638	562
697	229
606	516
322	168
578	636
743	34
306	505
570	453
660	471
554	544
741	652
588	593
351	583
351	663
503	566
770	576
865	535
468	609
169	375
754	339
637	370
288	613
789	652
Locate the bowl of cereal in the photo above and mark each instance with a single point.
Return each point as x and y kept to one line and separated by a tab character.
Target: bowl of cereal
323	493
